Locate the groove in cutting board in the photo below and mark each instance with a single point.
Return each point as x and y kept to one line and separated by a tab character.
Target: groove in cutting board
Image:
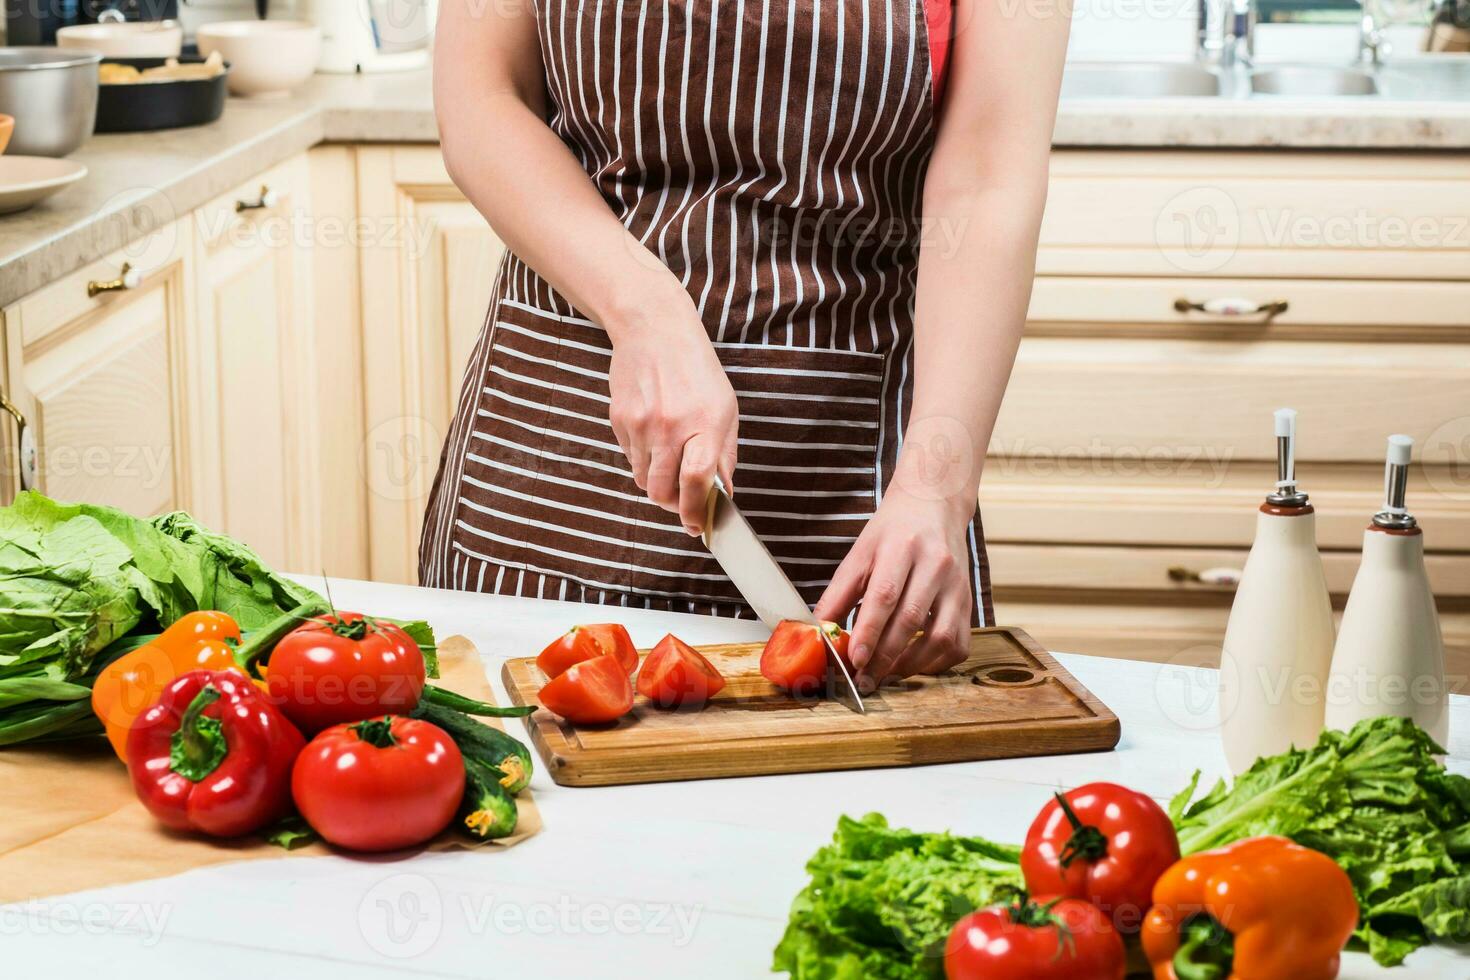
1009	698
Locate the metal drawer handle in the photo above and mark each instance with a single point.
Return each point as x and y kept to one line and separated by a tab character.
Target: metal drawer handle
1232	306
268	199
25	444
129	278
1209	576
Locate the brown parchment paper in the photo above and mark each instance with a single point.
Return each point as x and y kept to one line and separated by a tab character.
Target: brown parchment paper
69	820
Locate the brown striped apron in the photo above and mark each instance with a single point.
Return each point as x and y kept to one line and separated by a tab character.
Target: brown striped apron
772	155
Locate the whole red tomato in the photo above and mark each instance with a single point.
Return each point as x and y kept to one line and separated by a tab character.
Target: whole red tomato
344	667
1102	843
379	785
795	657
1065	939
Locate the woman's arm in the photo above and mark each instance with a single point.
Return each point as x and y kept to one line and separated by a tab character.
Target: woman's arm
983	200
673	409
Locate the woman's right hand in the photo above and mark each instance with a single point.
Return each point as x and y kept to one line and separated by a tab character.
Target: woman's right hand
673	410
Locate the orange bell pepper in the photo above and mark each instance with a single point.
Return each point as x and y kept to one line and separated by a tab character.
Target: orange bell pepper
1259	909
133	683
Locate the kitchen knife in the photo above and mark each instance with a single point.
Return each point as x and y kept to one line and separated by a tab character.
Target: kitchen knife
744	557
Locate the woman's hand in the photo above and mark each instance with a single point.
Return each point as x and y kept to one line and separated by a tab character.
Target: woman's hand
911	569
673	410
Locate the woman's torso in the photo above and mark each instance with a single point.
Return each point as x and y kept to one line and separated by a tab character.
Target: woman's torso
771	156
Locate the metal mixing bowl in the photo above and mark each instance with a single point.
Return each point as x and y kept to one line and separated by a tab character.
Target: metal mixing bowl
53	96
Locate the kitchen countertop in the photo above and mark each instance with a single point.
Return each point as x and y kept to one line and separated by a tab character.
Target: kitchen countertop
657	880
139	181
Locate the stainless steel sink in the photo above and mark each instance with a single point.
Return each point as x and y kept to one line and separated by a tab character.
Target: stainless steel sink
1412	78
1312	82
1137	80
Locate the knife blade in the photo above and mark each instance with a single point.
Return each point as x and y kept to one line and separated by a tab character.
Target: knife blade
748	562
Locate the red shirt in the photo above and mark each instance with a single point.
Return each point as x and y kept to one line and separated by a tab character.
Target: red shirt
940	15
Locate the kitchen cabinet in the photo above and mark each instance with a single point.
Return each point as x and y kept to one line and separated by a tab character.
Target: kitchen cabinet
428	265
97	364
220	374
1135	443
253	340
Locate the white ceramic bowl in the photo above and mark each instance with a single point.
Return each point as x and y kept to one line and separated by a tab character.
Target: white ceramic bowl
126	39
267	57
27	180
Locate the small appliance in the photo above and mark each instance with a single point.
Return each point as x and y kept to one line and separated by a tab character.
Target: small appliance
29	22
372	35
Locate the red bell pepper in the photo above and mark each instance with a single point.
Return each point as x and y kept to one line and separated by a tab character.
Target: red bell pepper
213	755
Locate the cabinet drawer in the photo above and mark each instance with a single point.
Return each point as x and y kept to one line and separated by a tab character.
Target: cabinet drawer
1173	632
1073	570
1309	309
58	305
1124	440
266	210
1176	400
94	363
1378	215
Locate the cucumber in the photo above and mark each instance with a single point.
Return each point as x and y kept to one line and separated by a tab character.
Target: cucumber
486	745
487	811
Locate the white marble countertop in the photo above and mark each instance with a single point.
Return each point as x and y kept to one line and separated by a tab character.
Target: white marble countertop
674	879
138	181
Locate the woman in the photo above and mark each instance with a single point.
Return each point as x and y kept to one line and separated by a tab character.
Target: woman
790	244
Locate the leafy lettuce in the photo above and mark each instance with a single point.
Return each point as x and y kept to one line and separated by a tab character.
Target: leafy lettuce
881	902
1377	801
80	579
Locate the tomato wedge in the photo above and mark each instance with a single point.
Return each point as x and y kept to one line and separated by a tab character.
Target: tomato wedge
615	641
676	675
590	692
572	647
795	657
585	642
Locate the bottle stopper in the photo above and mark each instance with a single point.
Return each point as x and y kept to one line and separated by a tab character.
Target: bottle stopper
1286	494
1394	514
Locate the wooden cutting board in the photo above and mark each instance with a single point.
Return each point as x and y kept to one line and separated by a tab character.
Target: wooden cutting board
1010	698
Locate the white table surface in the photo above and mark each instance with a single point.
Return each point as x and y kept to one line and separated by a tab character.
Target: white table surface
674	879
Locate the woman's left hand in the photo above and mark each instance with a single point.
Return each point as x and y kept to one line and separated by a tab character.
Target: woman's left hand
911	569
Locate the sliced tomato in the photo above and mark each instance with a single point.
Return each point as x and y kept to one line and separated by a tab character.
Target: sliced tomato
795	657
591	692
572	647
675	675
615	640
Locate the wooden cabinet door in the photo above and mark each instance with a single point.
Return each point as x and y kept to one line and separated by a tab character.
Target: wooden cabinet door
253	342
103	382
428	267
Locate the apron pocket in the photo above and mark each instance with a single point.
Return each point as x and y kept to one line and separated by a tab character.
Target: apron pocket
806	477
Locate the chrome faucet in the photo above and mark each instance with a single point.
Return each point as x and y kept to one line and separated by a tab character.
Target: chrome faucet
1372	45
1225	32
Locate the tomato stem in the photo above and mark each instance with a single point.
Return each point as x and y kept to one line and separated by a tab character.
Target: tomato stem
377	732
354	629
1032	915
1086	842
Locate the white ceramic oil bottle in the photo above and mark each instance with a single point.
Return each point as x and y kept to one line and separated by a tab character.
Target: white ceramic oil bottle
1390	653
1278	641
